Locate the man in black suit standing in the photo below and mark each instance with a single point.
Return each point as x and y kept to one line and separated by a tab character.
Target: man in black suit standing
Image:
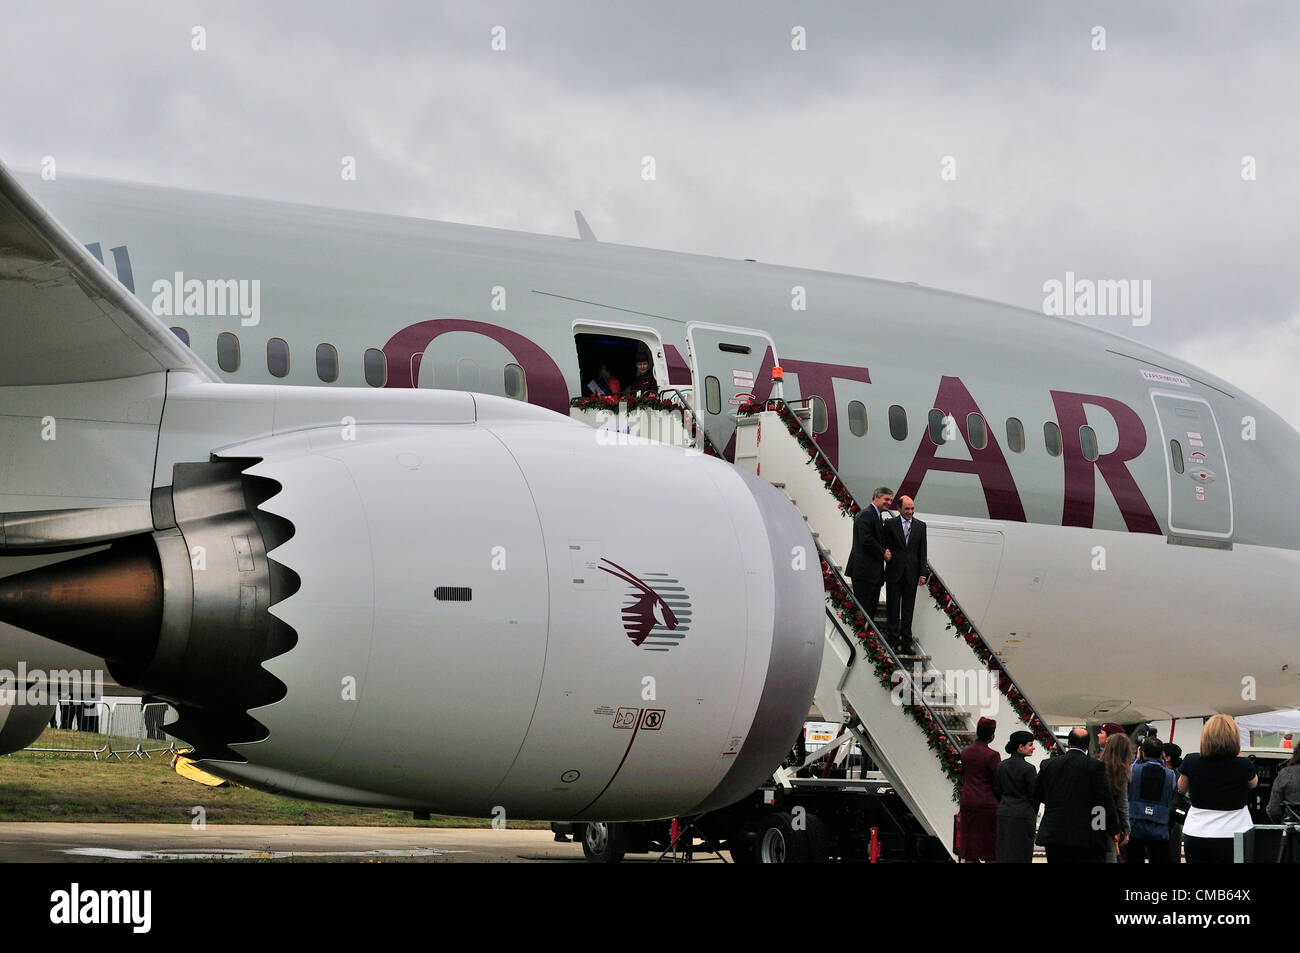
1079	819
908	569
866	565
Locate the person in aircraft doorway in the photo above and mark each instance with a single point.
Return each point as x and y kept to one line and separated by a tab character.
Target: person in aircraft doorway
866	565
604	383
644	382
908	569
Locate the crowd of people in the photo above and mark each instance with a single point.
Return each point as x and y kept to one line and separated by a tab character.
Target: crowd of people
1148	805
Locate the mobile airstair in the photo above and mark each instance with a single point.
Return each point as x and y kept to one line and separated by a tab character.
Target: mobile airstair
911	713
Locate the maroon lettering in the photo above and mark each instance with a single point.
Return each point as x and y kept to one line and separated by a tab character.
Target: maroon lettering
762	389
546	386
814	381
1080	483
1000	494
679	373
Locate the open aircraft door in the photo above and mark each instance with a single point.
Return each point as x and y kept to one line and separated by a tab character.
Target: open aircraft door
728	364
1200	492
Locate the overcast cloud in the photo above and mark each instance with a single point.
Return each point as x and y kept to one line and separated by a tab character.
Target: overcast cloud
1122	163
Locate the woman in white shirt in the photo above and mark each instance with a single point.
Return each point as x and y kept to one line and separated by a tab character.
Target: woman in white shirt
1218	781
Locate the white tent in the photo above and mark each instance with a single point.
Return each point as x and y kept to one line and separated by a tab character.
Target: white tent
1273	721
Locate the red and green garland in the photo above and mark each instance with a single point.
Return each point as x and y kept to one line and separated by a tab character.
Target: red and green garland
942	597
970	635
936	737
632	401
848	506
635	402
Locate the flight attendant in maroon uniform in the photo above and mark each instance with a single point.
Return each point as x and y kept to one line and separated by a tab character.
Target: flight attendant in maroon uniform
979	799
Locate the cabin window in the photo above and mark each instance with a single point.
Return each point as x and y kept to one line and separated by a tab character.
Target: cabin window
820	421
516	382
1015	435
977	432
227	352
1088	442
1176	452
1052	437
183	335
897	422
469	376
712	395
857	418
935	423
327	363
375	364
277	357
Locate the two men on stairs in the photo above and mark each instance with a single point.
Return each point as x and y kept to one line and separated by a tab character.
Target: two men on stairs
888	549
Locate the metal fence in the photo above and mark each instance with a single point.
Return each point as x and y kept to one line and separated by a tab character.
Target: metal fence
110	730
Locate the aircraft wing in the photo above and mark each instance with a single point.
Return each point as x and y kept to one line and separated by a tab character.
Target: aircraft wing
64	318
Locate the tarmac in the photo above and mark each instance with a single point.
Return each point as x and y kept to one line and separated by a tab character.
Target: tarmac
98	843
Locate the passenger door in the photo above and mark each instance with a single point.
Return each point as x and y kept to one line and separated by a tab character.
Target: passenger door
727	363
1200	492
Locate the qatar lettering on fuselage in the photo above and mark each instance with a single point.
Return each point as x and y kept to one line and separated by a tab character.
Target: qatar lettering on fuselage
547	388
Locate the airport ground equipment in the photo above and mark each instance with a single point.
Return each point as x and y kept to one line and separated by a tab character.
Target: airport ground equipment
852	813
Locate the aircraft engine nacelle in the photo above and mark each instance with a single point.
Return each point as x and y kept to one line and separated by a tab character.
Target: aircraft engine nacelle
466	619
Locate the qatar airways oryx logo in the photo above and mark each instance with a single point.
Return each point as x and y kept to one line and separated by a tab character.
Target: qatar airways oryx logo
658	613
216	297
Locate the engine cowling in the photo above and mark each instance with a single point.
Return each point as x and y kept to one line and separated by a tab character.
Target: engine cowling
465	619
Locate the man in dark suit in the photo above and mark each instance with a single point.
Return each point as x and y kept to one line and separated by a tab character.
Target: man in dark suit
866	565
1079	819
908	569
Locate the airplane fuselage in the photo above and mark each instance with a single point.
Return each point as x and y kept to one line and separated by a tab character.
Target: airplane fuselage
1118	574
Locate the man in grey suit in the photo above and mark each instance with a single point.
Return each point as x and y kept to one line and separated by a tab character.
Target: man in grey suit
866	565
906	571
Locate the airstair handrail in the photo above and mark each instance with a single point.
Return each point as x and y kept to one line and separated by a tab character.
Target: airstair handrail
848	503
939	591
700	433
889	668
958	619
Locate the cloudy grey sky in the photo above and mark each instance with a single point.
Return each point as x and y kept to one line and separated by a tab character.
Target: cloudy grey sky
1117	163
